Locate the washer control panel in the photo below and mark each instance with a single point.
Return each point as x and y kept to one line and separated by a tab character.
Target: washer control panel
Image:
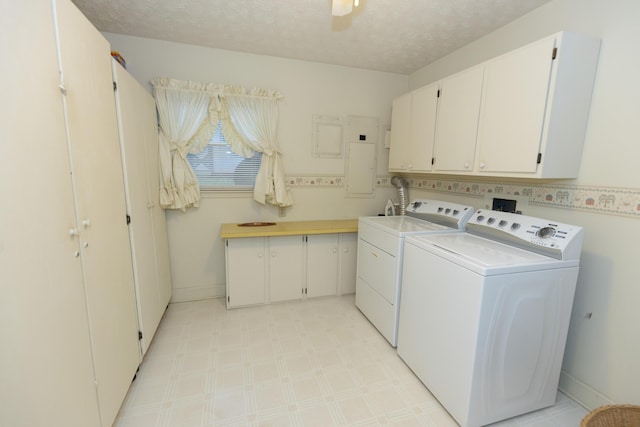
561	241
446	213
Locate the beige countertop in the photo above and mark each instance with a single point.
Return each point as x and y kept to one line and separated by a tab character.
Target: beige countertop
290	228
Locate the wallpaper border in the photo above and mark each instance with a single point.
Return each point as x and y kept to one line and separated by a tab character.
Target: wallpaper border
618	201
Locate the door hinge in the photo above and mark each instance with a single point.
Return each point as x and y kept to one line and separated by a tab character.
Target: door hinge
554	53
433	161
539	160
128	219
228	299
438	96
139	335
115	86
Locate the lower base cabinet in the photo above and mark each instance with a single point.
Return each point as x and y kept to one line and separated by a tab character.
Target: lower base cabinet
263	270
286	273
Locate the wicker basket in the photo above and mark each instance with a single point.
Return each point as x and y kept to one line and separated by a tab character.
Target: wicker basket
613	416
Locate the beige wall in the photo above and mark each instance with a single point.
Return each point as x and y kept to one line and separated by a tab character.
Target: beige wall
197	252
603	351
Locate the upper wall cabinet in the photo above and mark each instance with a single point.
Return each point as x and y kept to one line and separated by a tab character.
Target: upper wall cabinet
534	106
412	134
457	122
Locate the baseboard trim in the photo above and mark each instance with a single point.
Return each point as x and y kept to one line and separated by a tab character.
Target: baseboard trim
581	393
196	293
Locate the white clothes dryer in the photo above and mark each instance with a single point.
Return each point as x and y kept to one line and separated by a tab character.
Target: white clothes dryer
380	247
484	314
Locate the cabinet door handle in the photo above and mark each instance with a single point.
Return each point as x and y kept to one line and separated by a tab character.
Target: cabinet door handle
481	165
273	254
466	165
86	223
259	254
73	232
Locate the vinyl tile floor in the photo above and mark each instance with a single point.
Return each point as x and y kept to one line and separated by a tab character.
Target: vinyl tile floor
317	362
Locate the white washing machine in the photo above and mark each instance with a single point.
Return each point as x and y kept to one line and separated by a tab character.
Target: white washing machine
485	314
380	244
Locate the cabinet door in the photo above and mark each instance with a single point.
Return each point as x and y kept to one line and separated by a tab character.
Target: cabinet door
45	364
513	109
348	261
138	131
322	264
285	268
400	133
457	123
100	205
423	123
246	271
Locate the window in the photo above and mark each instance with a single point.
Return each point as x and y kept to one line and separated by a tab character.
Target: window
217	167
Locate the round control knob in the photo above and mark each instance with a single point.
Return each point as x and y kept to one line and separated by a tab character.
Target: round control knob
456	212
515	226
417	204
491	220
447	210
502	223
440	210
480	218
546	232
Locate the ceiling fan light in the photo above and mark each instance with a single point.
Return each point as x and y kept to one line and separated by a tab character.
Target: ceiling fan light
341	7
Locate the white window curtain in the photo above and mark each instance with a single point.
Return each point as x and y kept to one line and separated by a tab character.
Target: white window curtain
182	108
188	115
254	116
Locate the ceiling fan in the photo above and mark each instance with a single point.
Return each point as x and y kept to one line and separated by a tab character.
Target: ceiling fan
343	7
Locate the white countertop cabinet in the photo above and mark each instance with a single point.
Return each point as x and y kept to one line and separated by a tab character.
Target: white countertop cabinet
322	265
263	270
286	262
268	269
348	263
246	271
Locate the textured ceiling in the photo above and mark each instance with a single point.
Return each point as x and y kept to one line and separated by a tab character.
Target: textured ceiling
399	36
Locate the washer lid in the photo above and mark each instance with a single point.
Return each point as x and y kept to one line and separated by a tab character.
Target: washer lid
403	225
485	256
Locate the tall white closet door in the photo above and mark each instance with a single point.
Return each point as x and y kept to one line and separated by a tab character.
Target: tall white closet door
85	62
158	218
139	139
46	374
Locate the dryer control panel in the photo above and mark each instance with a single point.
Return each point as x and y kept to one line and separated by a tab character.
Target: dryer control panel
452	214
554	239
